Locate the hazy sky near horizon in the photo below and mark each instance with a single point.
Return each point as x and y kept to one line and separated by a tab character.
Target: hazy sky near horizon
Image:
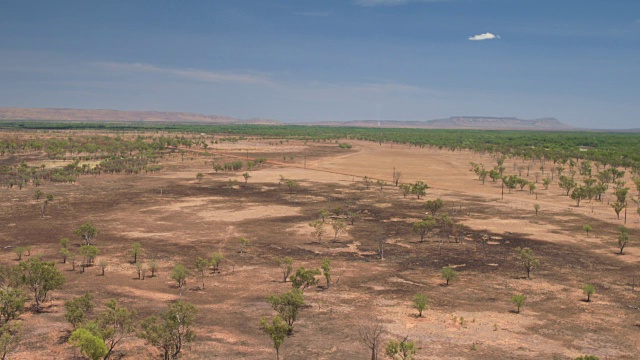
331	60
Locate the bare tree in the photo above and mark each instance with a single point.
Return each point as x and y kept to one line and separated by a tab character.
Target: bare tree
381	240
371	336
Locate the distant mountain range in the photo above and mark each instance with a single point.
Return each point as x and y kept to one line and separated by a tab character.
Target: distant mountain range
460	122
7	113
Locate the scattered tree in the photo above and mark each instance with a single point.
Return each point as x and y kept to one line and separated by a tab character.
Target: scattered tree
423	227
153	267
179	274
536	207
90	345
199	177
586	228
419	189
246	177
286	267
136	249
326	271
292	185
170	330
12	301
527	259
103	265
623	238
77	310
216	259
10	333
434	205
401	349
406	189
588	290
288	305
420	303
201	266
43	207
448	274
338	225
244	242
518	300
41	277
371	336
19	250
277	329
303	278
87	232
318	229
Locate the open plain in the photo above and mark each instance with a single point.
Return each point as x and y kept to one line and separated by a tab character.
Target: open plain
178	218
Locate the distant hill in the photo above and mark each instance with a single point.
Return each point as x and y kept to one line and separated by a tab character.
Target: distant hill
121	116
87	115
463	122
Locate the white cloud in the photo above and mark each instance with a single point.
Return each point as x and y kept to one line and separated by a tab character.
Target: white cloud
189	73
485	36
370	3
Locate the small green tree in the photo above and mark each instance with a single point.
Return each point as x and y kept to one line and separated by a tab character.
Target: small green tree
136	250
536	207
518	300
277	329
623	238
338	225
89	252
216	259
170	330
588	290
64	242
153	267
91	346
87	232
246	177
288	305
286	267
114	324
318	229
433	206
10	333
41	277
419	189
65	254
546	182
103	265
201	266
179	274
527	259
292	185
420	303
448	274
199	177
19	250
38	194
586	228
423	227
141	268
406	189
401	349
12	301
326	271
244	242
303	278
43	207
77	310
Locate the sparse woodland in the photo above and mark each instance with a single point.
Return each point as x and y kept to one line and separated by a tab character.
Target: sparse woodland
176	241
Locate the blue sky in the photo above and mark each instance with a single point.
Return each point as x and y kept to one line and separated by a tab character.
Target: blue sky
297	60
